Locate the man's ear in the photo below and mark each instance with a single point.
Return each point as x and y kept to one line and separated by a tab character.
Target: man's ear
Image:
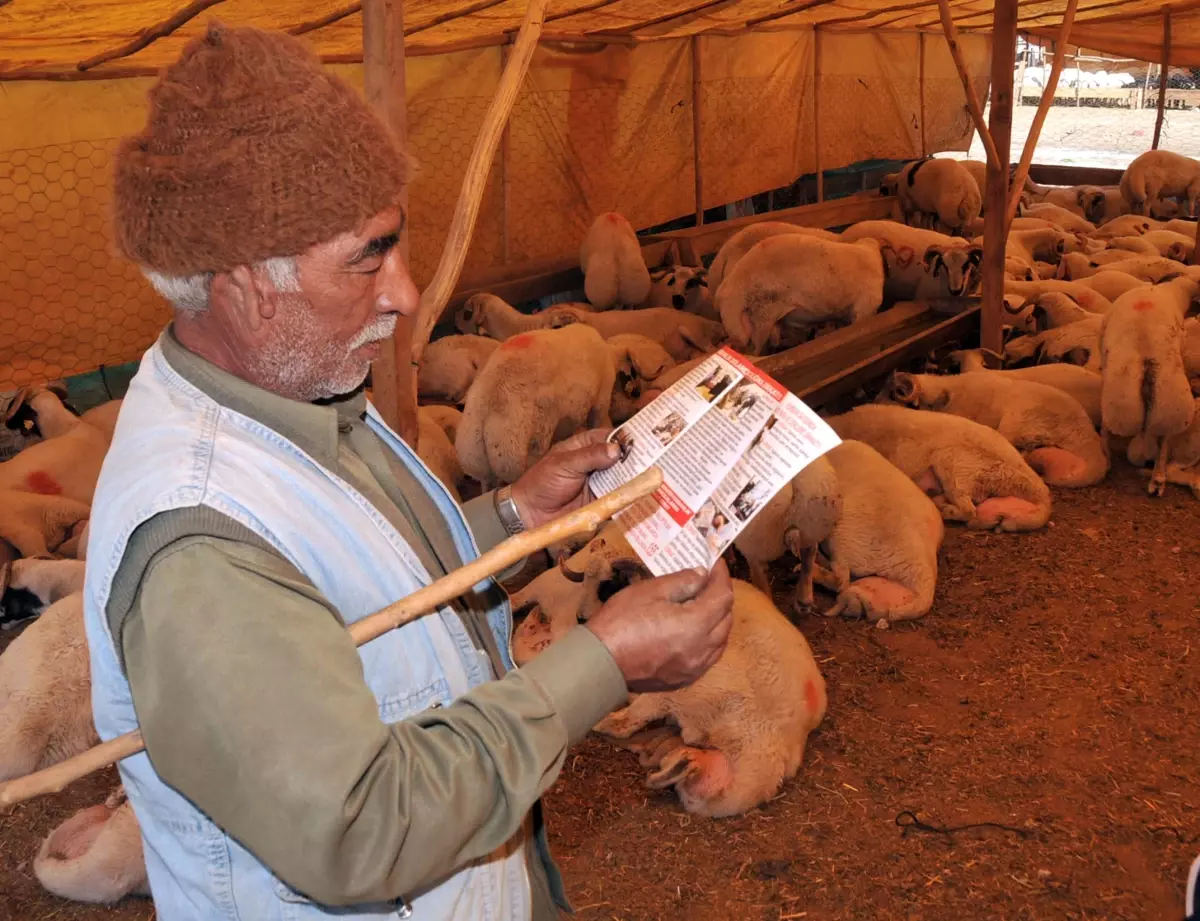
247	295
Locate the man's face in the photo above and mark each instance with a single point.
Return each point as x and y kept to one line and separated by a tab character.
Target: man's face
353	288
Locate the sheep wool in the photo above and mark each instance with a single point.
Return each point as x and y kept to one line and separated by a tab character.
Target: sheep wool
615	274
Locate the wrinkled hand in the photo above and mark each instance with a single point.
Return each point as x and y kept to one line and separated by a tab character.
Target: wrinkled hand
665	633
557	483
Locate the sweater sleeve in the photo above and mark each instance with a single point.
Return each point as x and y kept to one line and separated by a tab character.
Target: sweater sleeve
252	702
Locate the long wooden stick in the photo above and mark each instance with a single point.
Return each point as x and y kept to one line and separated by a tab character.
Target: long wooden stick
437	294
817	167
1164	77
419	603
1039	119
150	34
697	130
973	106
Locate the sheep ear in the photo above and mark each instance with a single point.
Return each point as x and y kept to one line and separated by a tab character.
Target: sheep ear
1075	356
903	387
646	362
940	402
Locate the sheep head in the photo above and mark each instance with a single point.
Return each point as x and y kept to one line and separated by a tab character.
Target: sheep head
960	264
469	317
639	360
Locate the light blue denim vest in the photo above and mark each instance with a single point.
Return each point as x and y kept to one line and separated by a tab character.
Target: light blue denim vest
175	447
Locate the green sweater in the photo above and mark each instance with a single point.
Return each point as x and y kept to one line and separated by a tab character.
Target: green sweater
242	674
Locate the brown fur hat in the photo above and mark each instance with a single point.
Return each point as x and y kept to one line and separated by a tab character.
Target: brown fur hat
251	150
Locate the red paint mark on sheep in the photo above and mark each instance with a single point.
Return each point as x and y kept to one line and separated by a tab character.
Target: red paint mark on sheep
523	341
41	482
1143	305
614	218
812	699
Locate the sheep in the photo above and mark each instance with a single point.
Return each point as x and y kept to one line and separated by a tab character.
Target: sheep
978	171
1079	383
1125	226
1179	225
450	364
1047	426
1044	244
733	249
1066	197
971	472
488	315
1083	294
1146	392
1101	204
1062	217
683	287
882	555
1165	243
96	855
1076	343
537	389
1046	311
734	736
436	448
1158	174
921	264
638	362
940	188
614	271
45	682
683	335
797	518
1076	267
66	463
810	280
38	525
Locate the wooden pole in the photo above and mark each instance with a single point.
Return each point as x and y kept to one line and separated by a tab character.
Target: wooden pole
817	114
995	228
1163	77
972	99
393	379
430	598
1039	119
437	294
697	133
150	34
505	178
921	89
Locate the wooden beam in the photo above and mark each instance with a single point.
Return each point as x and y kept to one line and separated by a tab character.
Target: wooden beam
995	227
697	133
150	34
505	179
1163	77
393	379
303	28
449	15
817	115
1039	119
972	99
921	89
437	294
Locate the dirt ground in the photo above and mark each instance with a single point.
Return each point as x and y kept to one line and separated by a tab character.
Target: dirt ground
1053	690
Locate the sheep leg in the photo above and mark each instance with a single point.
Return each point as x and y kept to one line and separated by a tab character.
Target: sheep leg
1158	480
705	772
834	578
641	712
803	599
878	599
30	541
1182	476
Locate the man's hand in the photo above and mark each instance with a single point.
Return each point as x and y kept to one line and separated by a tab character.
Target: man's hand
665	633
556	484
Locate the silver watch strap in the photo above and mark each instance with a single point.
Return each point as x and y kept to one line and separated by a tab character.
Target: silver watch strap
507	510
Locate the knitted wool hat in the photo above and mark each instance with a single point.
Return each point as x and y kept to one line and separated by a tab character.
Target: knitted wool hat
251	150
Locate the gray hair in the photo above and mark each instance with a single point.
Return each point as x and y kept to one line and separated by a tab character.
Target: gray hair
190	294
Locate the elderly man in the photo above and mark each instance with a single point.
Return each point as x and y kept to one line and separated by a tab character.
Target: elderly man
253	504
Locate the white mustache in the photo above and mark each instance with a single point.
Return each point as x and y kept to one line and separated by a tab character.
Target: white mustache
375	331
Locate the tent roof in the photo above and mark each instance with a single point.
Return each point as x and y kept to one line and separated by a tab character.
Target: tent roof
56	36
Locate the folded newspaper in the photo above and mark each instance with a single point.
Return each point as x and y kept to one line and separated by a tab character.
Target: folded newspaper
727	438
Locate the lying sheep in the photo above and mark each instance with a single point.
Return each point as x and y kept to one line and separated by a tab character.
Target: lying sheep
1101	204
447	418
809	280
1075	343
1046	311
1077	267
683	287
45	682
683	335
1062	217
1146	390
1048	427
882	555
96	855
488	315
638	362
801	515
1045	244
1158	174
733	249
1124	226
38	525
1065	197
1081	292
942	191
537	389
922	264
1079	383
450	364
436	449
1165	243
614	271
970	471
66	463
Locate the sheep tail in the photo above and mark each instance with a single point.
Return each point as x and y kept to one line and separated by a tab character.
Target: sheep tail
602	282
1123	397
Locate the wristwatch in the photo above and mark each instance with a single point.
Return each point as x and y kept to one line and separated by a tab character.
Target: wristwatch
510	517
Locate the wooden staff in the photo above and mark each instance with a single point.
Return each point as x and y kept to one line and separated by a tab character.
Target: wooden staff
1039	119
437	294
973	106
419	603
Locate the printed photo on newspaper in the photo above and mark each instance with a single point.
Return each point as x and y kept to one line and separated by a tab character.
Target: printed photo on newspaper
727	438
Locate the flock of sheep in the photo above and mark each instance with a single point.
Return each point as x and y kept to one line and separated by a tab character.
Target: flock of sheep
1099	356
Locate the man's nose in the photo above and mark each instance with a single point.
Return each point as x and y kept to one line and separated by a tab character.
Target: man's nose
395	291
